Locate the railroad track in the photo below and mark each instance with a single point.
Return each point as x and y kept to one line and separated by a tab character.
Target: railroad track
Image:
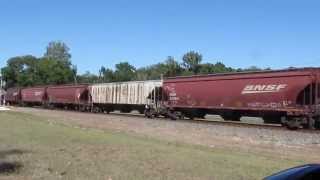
221	122
254	125
202	121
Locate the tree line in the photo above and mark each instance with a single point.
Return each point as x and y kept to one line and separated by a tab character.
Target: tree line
55	67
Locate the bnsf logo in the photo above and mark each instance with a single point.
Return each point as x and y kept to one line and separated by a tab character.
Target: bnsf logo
260	88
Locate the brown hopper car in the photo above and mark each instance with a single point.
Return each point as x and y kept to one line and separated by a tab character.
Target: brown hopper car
285	96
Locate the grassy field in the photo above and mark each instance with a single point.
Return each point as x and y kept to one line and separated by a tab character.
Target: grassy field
43	150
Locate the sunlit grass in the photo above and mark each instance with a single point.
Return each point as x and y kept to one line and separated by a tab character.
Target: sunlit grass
52	151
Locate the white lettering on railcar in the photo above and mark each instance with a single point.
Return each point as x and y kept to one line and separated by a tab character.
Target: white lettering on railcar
263	88
38	93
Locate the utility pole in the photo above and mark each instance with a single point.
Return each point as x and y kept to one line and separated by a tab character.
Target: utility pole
1	89
1	81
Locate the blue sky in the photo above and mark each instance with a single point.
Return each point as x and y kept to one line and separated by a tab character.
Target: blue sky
273	33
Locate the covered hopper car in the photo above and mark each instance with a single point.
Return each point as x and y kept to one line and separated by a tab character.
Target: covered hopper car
13	96
123	96
68	96
33	95
290	97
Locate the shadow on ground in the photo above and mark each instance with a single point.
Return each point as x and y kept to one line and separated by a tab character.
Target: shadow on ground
5	153
10	167
7	167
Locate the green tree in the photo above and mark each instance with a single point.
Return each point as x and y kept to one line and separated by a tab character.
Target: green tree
59	51
21	71
74	70
173	67
124	72
56	68
207	68
219	67
152	72
187	73
88	78
191	61
170	68
106	75
253	68
142	74
101	72
51	71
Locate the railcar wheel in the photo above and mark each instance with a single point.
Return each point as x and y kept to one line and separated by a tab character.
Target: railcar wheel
96	109
172	115
125	110
317	125
190	117
181	116
201	114
50	106
148	113
294	124
227	117
141	111
187	114
271	120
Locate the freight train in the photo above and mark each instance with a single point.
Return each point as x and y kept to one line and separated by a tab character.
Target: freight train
288	97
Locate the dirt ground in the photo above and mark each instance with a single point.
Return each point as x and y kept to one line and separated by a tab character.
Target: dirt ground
284	144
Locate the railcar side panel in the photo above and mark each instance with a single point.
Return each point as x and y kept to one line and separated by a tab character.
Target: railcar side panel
68	94
129	93
266	91
13	95
33	95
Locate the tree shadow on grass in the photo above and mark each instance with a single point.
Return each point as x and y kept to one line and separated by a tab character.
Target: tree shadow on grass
5	153
10	167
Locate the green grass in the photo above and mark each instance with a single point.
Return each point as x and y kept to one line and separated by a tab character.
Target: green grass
52	151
